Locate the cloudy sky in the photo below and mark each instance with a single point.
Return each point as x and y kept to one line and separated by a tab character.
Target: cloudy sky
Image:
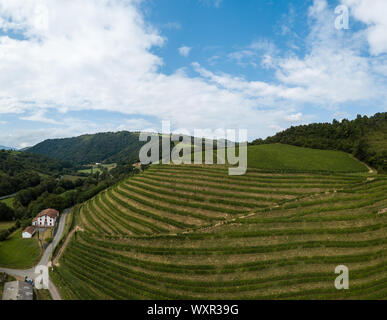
73	67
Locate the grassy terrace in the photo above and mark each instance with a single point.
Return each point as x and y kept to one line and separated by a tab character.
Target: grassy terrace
179	232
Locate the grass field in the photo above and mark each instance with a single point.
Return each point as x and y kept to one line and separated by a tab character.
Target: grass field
96	169
18	253
285	157
48	235
88	171
193	232
8	202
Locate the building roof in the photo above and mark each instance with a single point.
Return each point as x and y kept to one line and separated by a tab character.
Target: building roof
30	230
52	213
18	290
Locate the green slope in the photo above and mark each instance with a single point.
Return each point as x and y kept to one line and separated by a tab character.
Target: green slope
102	147
291	158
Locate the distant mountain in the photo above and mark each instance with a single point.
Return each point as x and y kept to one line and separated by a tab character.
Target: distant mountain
364	137
6	148
120	147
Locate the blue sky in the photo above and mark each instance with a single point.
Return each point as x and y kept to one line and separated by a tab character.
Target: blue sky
70	68
214	32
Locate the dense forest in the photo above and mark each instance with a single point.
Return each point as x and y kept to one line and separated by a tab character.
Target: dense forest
19	170
365	138
120	147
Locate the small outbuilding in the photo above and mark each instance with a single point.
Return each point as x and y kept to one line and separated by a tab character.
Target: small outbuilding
18	290
29	232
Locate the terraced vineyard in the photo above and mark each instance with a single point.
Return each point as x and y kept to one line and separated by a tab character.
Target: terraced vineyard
193	232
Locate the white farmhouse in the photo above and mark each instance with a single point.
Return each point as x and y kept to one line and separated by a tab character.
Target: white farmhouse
46	219
29	232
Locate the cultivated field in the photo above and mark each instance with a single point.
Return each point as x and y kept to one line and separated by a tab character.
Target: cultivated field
189	232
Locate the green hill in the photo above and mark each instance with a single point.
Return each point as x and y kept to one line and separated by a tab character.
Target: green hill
102	147
193	232
365	138
290	158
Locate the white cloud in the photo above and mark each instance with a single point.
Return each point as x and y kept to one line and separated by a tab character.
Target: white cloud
69	127
213	3
330	76
334	70
374	14
136	124
258	53
294	117
96	55
23	137
24	145
172	26
185	51
39	116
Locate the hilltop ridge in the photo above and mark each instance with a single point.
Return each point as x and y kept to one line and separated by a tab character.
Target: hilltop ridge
106	147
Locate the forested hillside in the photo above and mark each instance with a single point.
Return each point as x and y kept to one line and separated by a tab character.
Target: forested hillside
20	170
365	138
120	147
